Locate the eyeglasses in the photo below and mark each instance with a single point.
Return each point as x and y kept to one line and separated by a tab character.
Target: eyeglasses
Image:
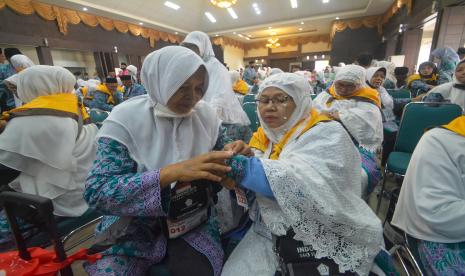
348	86
279	100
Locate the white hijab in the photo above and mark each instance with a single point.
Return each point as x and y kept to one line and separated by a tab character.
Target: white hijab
132	72
299	90
390	68
352	73
53	161
21	62
219	94
235	76
160	137
275	71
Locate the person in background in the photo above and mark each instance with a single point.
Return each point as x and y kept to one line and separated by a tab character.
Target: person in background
130	88
358	107
106	95
133	73
7	100
250	74
453	91
390	80
424	81
2	57
86	76
461	53
45	143
124	71
241	72
401	74
364	60
220	94
19	62
306	175
431	204
112	74
239	86
447	59
95	76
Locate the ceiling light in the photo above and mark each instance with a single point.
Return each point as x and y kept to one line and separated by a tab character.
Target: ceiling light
273	43
315	57
210	17
223	3
240	35
232	13
172	5
255	5
300	29
247	38
269	28
258	12
322	56
256	8
325	1
84	9
249	35
308	57
140	23
301	22
263	60
337	17
256	60
234	32
216	35
294	3
175	32
273	33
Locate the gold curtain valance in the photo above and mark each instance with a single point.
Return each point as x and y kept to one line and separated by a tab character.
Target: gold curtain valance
371	21
64	16
260	44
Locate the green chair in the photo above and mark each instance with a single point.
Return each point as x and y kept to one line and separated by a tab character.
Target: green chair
313	96
249	98
97	116
400	93
251	111
416	120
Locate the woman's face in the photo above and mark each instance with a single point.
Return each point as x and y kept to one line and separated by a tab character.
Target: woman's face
189	94
345	88
426	70
275	107
460	73
377	79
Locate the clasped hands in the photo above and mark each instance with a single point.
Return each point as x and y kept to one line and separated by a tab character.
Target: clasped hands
210	166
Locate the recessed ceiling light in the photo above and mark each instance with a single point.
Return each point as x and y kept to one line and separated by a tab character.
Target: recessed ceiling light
84	9
300	29
210	17
240	35
263	60
258	12
249	35
273	33
256	60
140	23
325	1
175	32
256	8
316	57
322	56
234	32
232	13
172	5
255	5
247	38
269	28
216	35
308	57
301	22
337	17
294	4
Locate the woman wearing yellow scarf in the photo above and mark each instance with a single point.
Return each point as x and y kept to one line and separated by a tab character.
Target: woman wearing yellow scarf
357	107
46	141
306	176
106	95
431	205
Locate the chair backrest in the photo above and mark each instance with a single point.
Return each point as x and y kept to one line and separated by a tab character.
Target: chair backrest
399	93
35	210
251	111
420	117
249	98
313	96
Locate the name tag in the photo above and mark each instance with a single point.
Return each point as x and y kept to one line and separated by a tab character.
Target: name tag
180	227
241	198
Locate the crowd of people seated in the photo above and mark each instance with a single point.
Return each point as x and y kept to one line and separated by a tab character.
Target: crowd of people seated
175	168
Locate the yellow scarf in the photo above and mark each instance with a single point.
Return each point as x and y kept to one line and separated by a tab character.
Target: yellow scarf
63	105
104	89
241	87
415	77
368	94
457	125
261	142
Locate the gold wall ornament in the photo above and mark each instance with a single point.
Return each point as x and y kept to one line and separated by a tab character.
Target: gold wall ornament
65	16
273	43
223	3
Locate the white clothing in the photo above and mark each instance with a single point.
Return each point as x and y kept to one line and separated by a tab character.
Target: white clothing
390	68
386	99
53	161
220	94
449	92
21	62
316	184
362	119
431	203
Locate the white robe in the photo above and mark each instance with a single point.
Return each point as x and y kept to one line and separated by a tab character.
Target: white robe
431	204
449	92
316	186
363	120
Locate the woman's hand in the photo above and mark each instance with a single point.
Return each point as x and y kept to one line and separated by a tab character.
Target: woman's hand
239	147
209	166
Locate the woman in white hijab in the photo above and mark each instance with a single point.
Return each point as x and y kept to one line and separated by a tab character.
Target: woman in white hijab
357	107
390	79
45	140
143	165
306	176
21	62
220	94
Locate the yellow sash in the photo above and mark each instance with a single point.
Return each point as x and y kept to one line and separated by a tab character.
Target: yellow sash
104	89
364	93
63	105
260	141
241	87
415	77
457	125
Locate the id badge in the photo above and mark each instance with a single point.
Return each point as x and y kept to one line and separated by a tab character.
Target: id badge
182	226
241	198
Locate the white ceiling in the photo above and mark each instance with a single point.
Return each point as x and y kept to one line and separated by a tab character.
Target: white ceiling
278	14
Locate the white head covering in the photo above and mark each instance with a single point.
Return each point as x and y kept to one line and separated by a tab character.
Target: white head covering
160	137
352	73
132	72
390	68
219	94
299	90
21	62
372	70
275	71
235	76
53	161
